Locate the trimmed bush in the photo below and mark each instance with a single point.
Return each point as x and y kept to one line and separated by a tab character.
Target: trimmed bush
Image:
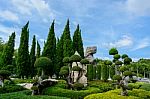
105	73
78	86
116	56
113	51
117	77
145	87
99	72
84	61
11	88
90	72
76	68
124	56
66	60
75	58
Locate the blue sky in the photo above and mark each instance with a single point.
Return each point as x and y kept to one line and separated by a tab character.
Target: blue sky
124	24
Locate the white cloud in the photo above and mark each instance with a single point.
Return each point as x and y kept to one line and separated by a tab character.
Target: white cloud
124	41
8	15
6	30
142	44
138	7
34	8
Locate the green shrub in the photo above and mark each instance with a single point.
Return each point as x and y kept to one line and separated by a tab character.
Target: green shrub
78	86
75	58
19	81
145	87
56	91
76	68
114	94
11	88
117	77
103	86
27	95
136	85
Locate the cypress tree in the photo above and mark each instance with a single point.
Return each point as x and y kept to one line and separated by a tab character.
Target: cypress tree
32	57
105	74
38	50
99	71
59	56
77	42
67	45
8	52
90	72
50	48
23	53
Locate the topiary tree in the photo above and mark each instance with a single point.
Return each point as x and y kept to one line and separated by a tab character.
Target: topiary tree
44	64
108	63
127	60
98	71
116	56
90	72
75	58
113	51
4	74
105	74
124	56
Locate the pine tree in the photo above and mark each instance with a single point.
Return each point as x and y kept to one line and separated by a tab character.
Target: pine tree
77	42
59	56
67	45
32	57
7	55
23	53
50	48
38	50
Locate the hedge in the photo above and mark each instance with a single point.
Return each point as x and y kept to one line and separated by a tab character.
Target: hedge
57	91
99	72
27	95
90	72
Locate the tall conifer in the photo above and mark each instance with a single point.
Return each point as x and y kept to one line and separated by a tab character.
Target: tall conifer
23	53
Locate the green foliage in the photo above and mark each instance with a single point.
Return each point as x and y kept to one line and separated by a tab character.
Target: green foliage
108	62
84	61
105	73
117	77
90	72
124	56
19	81
103	86
136	85
113	51
76	68
7	55
94	72
38	50
27	95
127	60
112	70
32	57
118	62
57	91
50	48
116	56
66	60
78	86
75	58
34	88
11	88
99	72
114	94
23	53
77	42
67	42
44	64
123	68
59	56
5	73
10	68
64	71
127	73
145	87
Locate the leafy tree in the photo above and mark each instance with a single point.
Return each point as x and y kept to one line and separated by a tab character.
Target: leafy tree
50	47
8	52
23	53
44	64
67	42
38	50
32	57
77	42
